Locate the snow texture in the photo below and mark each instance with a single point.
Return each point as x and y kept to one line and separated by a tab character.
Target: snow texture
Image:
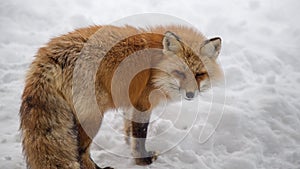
260	127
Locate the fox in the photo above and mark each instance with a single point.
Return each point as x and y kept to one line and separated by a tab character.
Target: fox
58	128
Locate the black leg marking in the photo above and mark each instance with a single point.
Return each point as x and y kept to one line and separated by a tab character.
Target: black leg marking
139	133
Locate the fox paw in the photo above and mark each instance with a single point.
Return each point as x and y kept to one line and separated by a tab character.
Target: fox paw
147	159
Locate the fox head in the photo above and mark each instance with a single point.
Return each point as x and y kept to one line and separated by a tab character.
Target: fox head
187	68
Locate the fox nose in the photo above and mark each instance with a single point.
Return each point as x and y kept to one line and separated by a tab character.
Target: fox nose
190	95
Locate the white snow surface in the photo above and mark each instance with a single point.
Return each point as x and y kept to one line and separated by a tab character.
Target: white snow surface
260	126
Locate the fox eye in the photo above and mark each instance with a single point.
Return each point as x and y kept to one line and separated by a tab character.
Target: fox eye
178	74
199	75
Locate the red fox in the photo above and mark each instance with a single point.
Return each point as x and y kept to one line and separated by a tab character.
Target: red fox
54	134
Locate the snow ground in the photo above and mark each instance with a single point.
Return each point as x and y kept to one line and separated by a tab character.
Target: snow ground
260	127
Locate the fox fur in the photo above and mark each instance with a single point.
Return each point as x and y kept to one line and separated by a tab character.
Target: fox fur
57	135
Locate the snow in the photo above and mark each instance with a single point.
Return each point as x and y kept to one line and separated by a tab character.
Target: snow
260	125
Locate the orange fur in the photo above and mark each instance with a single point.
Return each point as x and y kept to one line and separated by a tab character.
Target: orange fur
58	135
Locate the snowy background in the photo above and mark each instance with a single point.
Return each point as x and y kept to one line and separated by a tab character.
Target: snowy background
260	127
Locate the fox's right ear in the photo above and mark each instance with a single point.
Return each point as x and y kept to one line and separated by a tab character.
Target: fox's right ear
211	47
171	43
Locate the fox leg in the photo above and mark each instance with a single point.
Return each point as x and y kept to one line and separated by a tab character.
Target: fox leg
139	127
88	163
84	150
85	157
49	131
87	130
127	127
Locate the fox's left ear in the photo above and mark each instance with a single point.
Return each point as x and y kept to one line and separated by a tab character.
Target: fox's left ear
211	48
171	43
